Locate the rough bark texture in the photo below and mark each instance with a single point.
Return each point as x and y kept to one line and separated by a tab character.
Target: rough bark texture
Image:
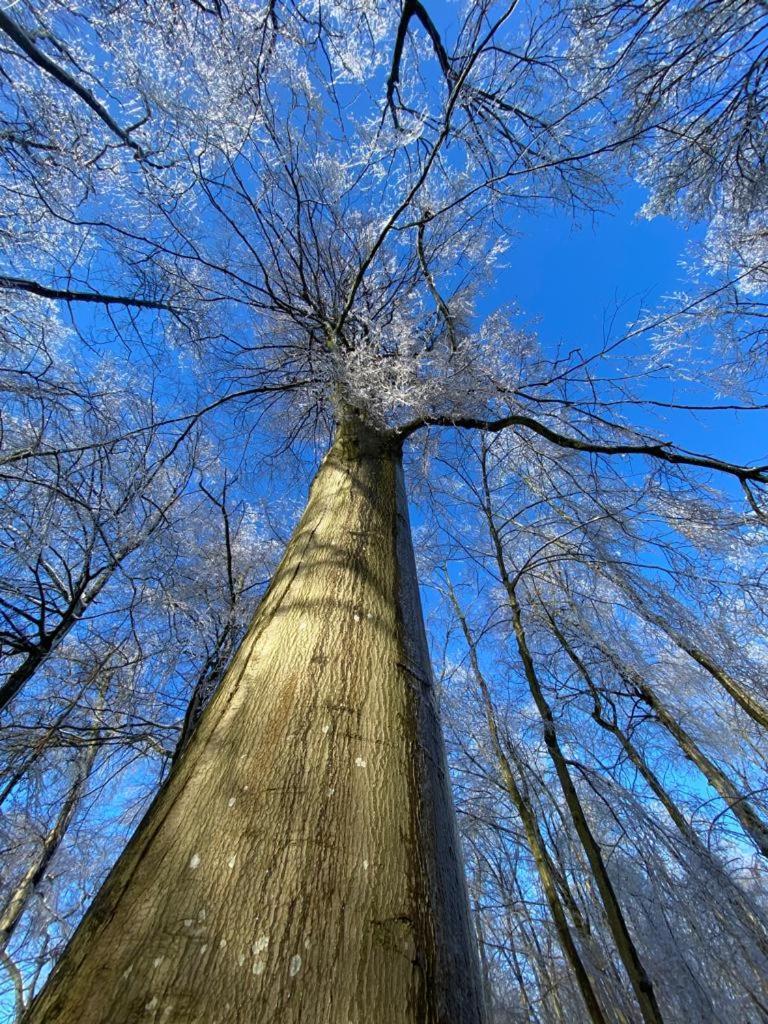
301	864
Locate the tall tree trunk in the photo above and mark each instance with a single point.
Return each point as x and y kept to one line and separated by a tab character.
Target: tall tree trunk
302	862
625	946
751	822
534	839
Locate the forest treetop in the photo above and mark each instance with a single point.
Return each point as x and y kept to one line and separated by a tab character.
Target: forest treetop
227	226
309	201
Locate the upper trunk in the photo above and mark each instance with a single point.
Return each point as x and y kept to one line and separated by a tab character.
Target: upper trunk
301	863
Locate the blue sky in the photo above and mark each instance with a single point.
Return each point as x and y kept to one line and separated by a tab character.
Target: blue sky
573	278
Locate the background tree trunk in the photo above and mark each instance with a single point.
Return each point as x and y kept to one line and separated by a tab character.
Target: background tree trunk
302	862
741	694
544	866
737	802
630	957
18	899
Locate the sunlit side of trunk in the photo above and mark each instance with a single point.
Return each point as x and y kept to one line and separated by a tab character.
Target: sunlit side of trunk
301	863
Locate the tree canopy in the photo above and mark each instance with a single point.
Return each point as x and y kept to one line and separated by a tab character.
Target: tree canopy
230	228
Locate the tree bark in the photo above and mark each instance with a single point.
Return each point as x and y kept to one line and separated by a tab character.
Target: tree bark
302	861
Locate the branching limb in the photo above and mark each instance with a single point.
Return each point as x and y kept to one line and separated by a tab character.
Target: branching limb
43	61
440	302
21	284
411	9
664	451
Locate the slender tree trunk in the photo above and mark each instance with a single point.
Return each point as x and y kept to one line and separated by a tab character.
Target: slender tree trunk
630	958
740	807
546	872
741	694
634	756
651	779
627	950
544	866
541	964
602	965
302	862
533	1015
18	899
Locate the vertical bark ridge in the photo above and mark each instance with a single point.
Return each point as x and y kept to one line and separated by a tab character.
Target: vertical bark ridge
301	863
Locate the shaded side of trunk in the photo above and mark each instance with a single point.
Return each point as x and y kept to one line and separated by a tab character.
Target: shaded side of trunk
302	861
205	686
